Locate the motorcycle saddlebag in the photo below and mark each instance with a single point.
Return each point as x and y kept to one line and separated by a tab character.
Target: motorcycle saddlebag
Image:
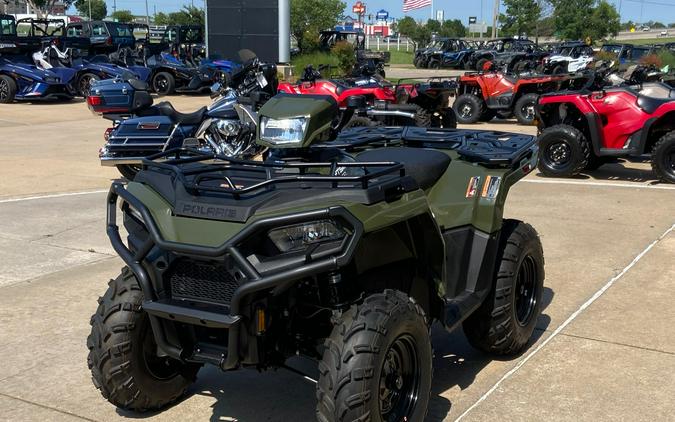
114	96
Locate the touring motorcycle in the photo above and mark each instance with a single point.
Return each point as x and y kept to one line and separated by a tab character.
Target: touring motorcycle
141	129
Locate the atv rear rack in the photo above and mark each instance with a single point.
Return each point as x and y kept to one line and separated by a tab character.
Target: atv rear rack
269	173
488	148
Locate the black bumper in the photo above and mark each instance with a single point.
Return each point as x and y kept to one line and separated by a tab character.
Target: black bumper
228	317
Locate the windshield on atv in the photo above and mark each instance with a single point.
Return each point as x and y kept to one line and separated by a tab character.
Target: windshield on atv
7	27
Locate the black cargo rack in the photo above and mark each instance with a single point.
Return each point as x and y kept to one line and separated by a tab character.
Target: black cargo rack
267	172
490	148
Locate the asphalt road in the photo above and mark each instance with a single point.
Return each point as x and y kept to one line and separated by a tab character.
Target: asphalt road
604	348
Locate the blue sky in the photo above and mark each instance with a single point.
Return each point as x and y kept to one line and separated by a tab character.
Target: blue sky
661	10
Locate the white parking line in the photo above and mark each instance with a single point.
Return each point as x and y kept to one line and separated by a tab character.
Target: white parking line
55	195
567	322
611	185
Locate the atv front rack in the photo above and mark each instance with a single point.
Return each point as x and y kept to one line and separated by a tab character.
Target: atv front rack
489	148
205	178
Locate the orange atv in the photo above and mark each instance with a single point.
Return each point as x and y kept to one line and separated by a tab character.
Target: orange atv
486	95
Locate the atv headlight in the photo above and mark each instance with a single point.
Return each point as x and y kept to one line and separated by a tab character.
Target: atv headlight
298	237
284	131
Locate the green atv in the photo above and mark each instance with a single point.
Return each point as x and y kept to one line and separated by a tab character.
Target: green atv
342	248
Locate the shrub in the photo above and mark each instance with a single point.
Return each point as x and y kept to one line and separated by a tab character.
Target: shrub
344	52
667	59
652	60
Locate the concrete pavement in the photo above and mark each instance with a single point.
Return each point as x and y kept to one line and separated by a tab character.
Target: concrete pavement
611	361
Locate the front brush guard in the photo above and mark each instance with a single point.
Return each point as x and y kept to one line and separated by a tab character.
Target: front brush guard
255	281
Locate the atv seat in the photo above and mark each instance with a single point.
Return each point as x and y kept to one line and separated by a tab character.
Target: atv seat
426	166
166	109
653	96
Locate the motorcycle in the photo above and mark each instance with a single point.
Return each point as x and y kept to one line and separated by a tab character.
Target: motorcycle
140	129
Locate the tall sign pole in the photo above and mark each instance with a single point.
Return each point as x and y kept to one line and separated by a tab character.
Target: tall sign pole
495	19
284	31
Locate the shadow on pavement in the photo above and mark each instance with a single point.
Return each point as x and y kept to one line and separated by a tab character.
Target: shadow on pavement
281	395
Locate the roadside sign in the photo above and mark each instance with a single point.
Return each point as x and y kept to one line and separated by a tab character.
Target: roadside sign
359	8
382	15
472	20
440	15
478	28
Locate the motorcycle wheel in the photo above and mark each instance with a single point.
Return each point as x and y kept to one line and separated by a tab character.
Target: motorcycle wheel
128	170
164	83
85	82
7	89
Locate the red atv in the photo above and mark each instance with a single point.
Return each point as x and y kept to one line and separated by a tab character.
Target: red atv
484	95
580	130
424	104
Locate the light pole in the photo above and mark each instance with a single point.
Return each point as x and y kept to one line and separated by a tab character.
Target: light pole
284	31
89	9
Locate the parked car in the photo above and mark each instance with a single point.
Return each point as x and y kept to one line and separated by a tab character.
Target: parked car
104	36
453	52
570	57
511	51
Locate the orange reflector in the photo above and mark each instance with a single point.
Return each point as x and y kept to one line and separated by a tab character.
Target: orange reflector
261	321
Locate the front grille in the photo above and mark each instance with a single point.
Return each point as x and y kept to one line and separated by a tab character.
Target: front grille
201	282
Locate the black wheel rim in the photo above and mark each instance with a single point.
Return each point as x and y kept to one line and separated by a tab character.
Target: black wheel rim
160	367
161	83
4	90
558	155
526	291
465	110
527	111
669	162
85	84
399	380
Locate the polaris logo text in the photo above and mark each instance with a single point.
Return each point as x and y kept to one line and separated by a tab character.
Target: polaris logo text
206	211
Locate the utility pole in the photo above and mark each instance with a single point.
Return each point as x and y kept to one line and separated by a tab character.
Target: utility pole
147	16
114	6
89	9
284	31
495	19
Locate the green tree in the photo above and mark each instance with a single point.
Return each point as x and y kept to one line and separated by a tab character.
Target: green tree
161	18
434	26
407	27
521	16
98	8
44	7
122	16
604	21
312	16
453	28
572	17
188	15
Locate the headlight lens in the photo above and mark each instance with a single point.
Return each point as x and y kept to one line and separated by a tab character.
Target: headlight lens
285	131
300	236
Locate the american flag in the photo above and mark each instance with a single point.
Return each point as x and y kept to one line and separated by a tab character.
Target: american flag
409	5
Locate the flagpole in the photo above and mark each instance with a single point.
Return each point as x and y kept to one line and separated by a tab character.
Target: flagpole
432	9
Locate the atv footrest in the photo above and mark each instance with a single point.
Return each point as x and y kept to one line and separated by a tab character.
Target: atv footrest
196	313
208	353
